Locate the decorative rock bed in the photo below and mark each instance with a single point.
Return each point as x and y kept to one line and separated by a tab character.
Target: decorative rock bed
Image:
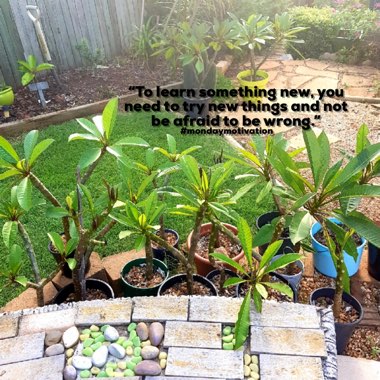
166	338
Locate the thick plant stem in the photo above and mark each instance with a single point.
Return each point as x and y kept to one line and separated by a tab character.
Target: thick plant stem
40	296
53	200
149	258
30	251
338	300
211	248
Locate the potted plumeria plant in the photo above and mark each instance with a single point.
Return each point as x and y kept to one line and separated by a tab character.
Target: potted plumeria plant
341	229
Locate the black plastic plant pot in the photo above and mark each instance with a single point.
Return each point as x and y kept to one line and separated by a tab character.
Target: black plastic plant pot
178	278
287	246
293	279
374	261
134	291
162	254
279	277
66	271
216	272
343	331
91	283
194	105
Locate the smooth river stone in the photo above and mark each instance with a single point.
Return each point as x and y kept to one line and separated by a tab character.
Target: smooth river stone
156	333
150	352
142	331
111	334
116	350
81	362
147	368
55	349
100	356
69	373
70	337
53	337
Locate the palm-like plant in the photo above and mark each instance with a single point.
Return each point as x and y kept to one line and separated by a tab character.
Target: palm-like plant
255	277
340	183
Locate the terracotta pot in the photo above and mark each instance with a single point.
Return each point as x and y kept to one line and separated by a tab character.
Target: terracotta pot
203	265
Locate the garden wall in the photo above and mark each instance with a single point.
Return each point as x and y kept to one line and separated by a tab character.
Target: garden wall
105	24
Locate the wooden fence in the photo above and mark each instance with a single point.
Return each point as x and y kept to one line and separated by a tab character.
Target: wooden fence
105	24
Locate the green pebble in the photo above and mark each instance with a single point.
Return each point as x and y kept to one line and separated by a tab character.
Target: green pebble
131	365
121	340
132	326
100	339
111	365
136	341
127	343
103	328
88	342
109	372
85	374
228	346
128	372
136	359
122	365
95	370
95	346
233	330
86	331
94	328
132	334
137	351
228	338
96	334
227	330
87	351
102	374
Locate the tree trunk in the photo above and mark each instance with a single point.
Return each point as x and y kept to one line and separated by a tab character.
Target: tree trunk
338	296
149	258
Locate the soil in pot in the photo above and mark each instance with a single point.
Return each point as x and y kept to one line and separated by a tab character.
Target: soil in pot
319	237
289	270
348	313
224	245
214	277
91	295
137	277
170	238
180	289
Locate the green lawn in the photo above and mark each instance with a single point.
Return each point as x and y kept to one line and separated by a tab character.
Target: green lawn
56	169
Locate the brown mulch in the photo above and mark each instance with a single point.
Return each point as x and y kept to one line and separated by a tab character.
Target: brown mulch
137	277
91	295
364	343
225	292
370	294
84	85
180	289
225	245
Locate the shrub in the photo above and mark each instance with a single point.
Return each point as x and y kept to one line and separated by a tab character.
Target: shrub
262	7
321	30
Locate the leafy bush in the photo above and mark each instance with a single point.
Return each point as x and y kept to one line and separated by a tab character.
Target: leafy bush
321	30
262	7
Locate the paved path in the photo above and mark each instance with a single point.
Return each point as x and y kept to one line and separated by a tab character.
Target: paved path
357	369
292	341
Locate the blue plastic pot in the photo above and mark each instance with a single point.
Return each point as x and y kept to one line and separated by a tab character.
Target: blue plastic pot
323	262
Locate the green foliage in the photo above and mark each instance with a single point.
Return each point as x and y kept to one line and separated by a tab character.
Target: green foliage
29	68
255	277
144	39
91	58
15	261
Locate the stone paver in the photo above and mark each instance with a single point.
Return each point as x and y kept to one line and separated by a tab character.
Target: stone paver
297	315
304	70
22	348
355	369
356	81
320	83
204	363
112	312
214	309
177	378
287	341
290	367
193	334
48	321
49	368
160	309
8	326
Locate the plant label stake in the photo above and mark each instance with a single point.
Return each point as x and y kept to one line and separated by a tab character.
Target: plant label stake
6	110
39	87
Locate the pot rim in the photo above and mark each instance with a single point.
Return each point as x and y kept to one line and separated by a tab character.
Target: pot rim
6	89
139	259
299	262
246	73
361	311
231	227
336	221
